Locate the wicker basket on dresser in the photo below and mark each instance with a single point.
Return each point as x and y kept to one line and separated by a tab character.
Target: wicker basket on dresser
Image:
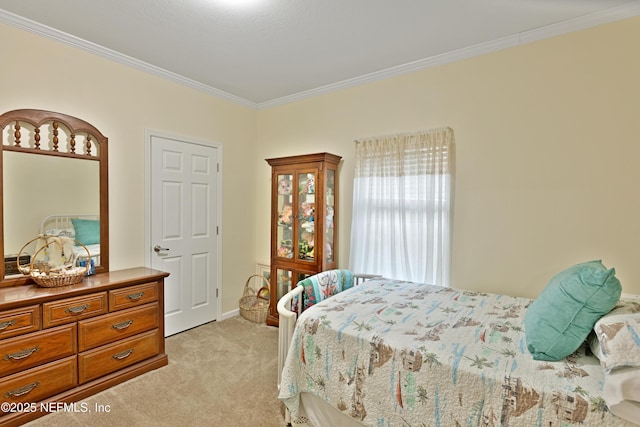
61	345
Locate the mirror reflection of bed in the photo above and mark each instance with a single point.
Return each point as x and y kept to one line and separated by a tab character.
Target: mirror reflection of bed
77	235
85	229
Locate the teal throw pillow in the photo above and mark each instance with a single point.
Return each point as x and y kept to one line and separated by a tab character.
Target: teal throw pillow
87	231
562	317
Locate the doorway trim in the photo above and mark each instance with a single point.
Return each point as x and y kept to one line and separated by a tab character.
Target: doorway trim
148	135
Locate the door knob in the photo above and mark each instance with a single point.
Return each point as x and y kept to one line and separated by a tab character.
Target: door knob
158	248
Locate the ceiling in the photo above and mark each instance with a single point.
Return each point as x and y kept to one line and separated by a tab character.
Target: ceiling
262	53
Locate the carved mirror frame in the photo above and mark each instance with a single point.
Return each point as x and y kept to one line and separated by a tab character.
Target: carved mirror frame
94	149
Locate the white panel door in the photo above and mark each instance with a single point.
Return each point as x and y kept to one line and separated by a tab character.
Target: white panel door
184	229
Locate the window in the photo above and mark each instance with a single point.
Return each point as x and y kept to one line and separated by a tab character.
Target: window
402	206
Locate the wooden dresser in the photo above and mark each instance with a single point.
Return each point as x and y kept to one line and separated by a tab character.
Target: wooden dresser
61	345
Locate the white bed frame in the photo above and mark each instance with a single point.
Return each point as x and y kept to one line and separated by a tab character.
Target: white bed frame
61	221
286	324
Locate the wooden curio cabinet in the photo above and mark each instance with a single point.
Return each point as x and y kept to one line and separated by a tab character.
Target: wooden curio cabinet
304	238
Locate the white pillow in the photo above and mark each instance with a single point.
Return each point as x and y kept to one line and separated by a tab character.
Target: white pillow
617	336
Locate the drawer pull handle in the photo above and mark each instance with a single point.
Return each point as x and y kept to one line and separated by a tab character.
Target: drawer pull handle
122	325
22	390
135	297
22	354
77	309
122	355
5	325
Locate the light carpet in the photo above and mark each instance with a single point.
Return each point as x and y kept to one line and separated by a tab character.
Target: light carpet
219	374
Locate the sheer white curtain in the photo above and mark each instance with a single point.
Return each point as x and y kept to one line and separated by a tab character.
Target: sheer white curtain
402	204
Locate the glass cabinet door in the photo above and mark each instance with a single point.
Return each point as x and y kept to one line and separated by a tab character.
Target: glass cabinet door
285	216
283	282
306	216
330	191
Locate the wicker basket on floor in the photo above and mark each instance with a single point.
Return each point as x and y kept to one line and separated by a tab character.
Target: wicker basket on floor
255	306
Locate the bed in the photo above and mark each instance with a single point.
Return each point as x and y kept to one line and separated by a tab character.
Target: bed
83	228
394	353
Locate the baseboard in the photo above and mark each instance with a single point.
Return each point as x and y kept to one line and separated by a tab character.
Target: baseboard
230	314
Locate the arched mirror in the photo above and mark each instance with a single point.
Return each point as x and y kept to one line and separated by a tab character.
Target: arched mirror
54	176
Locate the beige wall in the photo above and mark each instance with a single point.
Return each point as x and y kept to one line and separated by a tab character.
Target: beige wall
547	146
122	102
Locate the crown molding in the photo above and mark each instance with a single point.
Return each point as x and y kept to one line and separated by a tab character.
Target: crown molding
613	14
598	18
444	58
51	33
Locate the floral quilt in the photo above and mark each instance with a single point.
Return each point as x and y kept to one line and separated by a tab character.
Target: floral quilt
392	353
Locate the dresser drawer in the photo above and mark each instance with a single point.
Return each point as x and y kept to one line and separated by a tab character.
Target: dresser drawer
37	348
71	309
19	321
132	296
103	360
39	383
112	327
